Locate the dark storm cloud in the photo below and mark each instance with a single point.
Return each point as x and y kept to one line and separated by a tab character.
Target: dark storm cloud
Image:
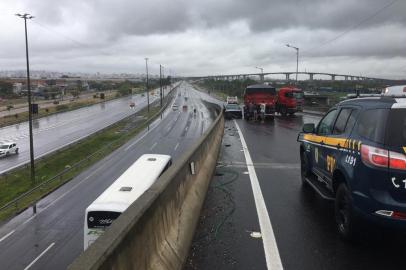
264	15
208	36
159	16
123	17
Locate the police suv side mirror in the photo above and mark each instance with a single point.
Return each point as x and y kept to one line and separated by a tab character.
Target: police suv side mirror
308	128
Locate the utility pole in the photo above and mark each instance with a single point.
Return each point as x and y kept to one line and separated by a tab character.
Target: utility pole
297	58
146	67
160	83
26	17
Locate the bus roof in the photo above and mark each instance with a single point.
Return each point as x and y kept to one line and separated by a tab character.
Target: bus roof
131	184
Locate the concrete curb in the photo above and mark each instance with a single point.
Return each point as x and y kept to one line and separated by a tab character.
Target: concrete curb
156	232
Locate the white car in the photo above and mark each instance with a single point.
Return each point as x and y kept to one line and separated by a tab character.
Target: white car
7	148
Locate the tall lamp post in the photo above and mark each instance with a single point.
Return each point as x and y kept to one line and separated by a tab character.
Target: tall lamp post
163	77
297	58
262	73
146	67
160	83
26	17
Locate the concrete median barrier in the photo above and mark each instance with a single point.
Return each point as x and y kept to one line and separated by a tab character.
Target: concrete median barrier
157	230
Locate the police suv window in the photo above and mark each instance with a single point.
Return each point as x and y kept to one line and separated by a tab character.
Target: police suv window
372	124
396	129
351	121
326	124
341	122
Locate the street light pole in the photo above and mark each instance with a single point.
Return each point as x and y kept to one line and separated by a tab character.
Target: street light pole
262	73
26	17
160	83
146	67
297	58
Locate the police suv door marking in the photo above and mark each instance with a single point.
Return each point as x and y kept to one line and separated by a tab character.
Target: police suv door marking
349	159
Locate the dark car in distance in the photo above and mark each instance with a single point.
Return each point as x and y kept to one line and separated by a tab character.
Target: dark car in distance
232	111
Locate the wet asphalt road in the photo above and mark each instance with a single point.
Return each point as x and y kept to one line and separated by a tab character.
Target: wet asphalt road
55	131
302	222
56	231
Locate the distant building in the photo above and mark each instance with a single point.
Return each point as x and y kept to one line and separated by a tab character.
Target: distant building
17	88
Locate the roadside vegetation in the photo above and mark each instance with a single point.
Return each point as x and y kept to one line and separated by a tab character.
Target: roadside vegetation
61	166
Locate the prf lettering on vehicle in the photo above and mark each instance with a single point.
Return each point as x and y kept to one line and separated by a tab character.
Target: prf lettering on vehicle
331	163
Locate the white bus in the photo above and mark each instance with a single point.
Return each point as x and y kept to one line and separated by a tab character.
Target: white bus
122	193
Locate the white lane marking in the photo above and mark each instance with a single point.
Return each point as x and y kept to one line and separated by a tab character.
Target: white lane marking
40	255
153	146
7	235
28	220
139	139
273	259
176	147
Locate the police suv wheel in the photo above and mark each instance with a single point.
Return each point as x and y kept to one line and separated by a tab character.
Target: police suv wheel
346	222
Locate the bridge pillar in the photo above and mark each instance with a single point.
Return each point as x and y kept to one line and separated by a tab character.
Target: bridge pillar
346	78
311	76
333	77
287	76
261	77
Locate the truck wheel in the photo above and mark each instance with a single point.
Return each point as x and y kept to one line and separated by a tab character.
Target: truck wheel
284	111
17	151
346	221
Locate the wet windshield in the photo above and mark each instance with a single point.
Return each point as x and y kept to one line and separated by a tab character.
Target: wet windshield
232	107
298	95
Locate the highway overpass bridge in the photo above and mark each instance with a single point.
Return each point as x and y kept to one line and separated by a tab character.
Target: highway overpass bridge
287	74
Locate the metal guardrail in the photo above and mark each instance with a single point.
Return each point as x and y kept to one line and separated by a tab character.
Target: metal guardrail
15	202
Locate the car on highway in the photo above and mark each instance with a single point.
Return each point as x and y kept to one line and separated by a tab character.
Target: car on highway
175	107
232	111
356	157
7	148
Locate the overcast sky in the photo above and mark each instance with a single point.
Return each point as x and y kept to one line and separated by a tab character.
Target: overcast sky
207	37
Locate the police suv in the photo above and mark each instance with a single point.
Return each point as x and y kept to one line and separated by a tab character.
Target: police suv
356	157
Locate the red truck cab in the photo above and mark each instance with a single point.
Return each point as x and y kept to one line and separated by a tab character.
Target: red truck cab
289	100
259	98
